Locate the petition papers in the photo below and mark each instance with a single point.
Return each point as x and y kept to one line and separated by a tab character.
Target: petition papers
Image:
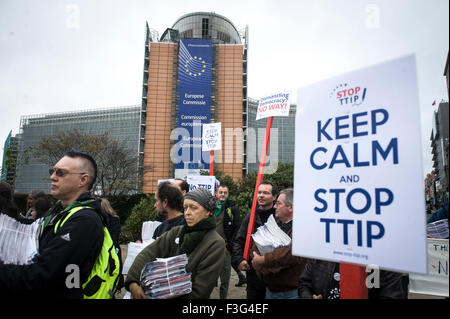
270	236
17	241
166	277
438	229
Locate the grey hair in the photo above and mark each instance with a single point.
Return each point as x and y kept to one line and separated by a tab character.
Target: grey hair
289	196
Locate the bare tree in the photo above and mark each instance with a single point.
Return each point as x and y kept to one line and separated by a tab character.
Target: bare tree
118	171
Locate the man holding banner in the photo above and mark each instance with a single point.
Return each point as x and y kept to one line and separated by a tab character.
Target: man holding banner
267	194
279	269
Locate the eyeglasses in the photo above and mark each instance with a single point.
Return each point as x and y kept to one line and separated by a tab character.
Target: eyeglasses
60	172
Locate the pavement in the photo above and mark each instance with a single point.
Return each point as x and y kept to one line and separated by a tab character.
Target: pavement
240	292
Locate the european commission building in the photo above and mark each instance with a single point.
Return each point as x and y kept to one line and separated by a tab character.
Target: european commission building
195	73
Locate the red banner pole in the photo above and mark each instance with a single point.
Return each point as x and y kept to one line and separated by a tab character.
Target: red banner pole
211	163
262	163
353	282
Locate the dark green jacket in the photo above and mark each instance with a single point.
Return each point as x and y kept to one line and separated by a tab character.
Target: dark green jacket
205	262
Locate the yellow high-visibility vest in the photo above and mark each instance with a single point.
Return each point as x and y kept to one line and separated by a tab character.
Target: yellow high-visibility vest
103	279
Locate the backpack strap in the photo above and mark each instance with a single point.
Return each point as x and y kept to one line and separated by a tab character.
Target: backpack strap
61	222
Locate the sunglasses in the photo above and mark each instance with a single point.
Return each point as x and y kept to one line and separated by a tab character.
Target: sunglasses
60	172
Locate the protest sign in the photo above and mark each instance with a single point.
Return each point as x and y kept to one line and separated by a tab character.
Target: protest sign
212	137
277	104
436	281
358	185
208	182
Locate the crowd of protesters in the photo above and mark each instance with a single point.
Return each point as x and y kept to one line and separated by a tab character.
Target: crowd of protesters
74	229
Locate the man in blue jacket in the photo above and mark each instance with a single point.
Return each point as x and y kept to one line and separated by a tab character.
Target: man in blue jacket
67	247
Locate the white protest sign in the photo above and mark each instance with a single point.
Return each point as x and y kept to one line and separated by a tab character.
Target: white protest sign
358	185
436	281
212	137
277	104
207	182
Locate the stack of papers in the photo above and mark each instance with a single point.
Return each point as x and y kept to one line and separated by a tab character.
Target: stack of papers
166	277
17	241
438	229
270	236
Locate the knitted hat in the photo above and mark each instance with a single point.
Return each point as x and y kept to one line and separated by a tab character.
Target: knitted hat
203	197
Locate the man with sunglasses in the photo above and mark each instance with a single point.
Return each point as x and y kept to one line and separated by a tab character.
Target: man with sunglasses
70	238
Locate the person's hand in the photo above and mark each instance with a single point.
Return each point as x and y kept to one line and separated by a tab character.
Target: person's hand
257	261
317	297
244	265
137	292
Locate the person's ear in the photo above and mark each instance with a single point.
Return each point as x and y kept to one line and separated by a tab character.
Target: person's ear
84	180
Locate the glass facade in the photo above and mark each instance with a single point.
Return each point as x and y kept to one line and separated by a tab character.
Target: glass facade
207	25
121	122
282	138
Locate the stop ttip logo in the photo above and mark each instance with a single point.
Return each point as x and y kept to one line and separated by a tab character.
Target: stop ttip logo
345	94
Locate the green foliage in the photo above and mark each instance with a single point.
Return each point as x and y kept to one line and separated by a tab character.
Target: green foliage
142	212
241	193
124	204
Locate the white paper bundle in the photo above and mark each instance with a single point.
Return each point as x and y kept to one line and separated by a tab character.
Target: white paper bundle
438	229
270	236
17	241
166	277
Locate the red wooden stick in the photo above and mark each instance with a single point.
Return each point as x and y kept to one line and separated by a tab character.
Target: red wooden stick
262	163
211	163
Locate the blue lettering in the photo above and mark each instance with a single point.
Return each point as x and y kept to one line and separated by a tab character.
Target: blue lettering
345	223
339	127
393	145
378	202
375	230
337	191
323	202
370	235
311	159
343	159
376	123
349	201
356	163
359	232
356	124
321	131
327	222
349	179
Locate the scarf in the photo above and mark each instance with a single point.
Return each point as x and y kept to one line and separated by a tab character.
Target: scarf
192	236
219	208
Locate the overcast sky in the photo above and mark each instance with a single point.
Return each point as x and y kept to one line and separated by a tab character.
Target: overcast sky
58	56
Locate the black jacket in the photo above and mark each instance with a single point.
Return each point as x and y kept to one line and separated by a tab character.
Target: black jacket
231	222
237	255
167	225
318	275
53	273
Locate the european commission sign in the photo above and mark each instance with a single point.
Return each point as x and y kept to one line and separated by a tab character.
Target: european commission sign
193	102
